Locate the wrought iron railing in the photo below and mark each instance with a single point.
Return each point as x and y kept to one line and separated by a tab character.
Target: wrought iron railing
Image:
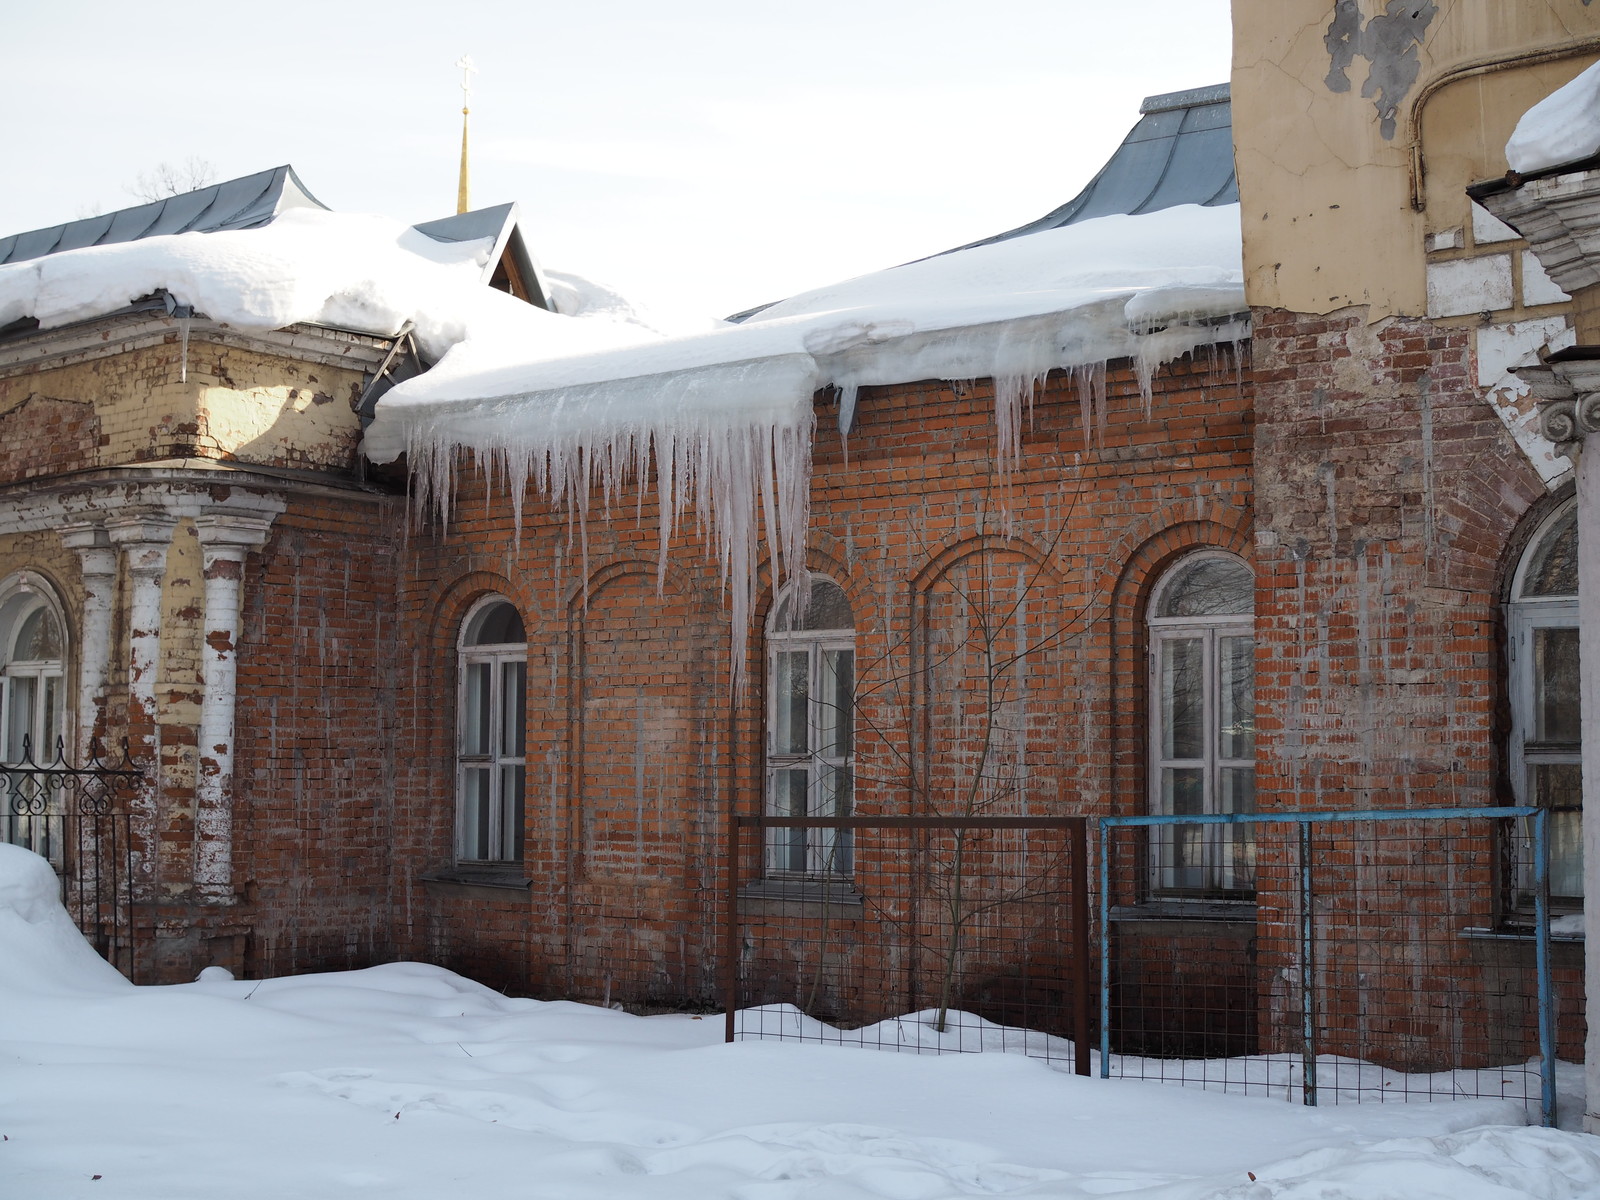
78	815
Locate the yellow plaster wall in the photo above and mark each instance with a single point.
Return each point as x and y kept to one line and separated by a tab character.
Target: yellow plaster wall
234	404
1327	200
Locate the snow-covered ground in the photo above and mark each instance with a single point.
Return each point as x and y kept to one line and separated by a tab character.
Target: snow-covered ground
408	1081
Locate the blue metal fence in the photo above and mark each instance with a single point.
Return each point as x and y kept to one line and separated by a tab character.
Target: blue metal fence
1468	860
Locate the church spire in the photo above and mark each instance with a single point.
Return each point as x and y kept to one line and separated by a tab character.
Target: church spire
467	71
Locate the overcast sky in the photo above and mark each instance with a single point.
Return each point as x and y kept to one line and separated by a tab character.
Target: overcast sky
710	154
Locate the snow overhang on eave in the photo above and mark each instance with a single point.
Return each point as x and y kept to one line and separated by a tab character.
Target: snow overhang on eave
153	321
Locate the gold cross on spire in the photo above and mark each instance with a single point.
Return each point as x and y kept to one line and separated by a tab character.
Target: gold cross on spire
467	72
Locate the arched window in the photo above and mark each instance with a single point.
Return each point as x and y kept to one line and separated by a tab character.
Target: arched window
491	717
33	703
1202	724
811	728
1542	653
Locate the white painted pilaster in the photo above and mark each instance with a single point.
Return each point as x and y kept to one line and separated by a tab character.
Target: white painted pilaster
1589	690
143	539
98	559
226	539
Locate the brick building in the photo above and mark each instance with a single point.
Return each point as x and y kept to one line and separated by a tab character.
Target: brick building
1326	561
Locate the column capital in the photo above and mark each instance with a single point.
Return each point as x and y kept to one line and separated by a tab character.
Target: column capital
144	536
141	527
1566	386
232	528
96	555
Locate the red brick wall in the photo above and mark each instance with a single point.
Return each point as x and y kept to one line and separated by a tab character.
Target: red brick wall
911	518
1389	502
41	437
315	767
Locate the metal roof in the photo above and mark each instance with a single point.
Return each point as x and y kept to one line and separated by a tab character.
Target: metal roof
1180	152
255	200
500	223
236	204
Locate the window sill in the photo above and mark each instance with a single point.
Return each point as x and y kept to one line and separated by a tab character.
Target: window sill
485	881
1236	912
801	897
1513	933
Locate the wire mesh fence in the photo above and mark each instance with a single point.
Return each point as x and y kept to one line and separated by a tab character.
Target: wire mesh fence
1357	956
931	935
1322	957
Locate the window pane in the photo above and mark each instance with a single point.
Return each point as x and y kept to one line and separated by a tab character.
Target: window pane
50	723
1236	844
834	846
1553	570
792	687
835	707
1560	786
1183	791
39	638
511	785
786	848
513	708
496	625
475	702
19	715
1209	587
475	813
1183	856
1237	717
1182	698
1555	683
1566	854
827	608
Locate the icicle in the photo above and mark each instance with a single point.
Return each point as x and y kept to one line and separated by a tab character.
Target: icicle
745	467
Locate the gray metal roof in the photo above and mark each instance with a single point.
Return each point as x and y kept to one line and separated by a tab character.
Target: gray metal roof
236	204
1180	152
500	223
255	200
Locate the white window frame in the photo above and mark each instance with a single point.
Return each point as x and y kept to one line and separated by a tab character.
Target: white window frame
504	841
827	853
1525	615
1224	849
22	595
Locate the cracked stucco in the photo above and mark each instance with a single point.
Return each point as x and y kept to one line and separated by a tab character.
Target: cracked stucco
1323	100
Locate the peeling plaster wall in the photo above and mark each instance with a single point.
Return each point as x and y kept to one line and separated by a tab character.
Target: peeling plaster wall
1327	137
208	400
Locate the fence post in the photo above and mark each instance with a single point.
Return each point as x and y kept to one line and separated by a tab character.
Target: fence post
1105	950
1079	836
1308	1014
1541	952
730	930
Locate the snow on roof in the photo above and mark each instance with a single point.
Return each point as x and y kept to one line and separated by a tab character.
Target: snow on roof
1562	128
726	414
724	411
364	273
